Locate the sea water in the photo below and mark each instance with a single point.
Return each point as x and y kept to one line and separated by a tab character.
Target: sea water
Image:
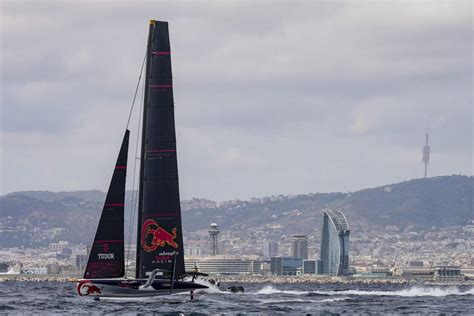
290	299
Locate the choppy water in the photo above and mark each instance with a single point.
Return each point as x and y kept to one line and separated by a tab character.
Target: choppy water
52	297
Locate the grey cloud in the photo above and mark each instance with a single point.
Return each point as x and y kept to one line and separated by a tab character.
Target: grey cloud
271	97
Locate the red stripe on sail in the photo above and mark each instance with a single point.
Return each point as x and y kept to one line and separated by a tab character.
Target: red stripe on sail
161	215
108	241
120	167
115	204
160	53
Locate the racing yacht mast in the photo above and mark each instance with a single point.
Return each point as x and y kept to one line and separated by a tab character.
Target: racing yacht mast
159	232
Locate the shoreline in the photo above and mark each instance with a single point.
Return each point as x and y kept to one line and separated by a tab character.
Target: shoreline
257	279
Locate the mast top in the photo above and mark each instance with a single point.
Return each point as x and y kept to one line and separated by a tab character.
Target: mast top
152	22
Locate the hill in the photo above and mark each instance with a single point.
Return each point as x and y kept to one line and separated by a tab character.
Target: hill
32	218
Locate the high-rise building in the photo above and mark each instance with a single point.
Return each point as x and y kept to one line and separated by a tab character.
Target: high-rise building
334	243
213	232
299	246
270	249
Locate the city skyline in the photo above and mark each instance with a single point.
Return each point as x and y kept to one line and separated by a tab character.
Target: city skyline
314	156
254	117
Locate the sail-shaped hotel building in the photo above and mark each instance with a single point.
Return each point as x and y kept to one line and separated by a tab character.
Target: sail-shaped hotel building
334	243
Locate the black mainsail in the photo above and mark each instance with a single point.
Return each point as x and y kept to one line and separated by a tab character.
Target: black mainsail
106	258
160	239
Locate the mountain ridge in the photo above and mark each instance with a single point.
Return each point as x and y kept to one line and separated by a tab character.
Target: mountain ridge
438	201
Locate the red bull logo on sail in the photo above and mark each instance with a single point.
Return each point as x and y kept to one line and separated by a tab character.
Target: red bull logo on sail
160	237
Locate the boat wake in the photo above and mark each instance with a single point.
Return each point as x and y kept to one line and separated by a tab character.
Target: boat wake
409	292
268	289
212	290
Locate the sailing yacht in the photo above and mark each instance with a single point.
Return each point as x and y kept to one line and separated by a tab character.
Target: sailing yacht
160	255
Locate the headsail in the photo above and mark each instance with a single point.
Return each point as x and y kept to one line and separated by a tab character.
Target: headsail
159	219
106	259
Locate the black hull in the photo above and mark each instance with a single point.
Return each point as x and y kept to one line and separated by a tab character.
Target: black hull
134	287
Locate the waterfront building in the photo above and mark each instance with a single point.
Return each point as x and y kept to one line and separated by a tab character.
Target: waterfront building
299	246
334	243
270	249
223	266
319	266
286	265
309	266
448	274
438	274
371	275
417	273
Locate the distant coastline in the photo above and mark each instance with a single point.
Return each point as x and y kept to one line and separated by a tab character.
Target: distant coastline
258	279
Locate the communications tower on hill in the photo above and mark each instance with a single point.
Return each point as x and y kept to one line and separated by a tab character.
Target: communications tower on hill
426	155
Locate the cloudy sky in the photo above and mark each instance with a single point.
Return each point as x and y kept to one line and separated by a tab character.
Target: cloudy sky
271	98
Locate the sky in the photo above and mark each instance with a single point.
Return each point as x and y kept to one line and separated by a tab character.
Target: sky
285	97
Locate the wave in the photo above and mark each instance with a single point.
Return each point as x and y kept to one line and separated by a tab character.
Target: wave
282	301
299	300
212	290
409	292
416	291
268	289
335	299
4	308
